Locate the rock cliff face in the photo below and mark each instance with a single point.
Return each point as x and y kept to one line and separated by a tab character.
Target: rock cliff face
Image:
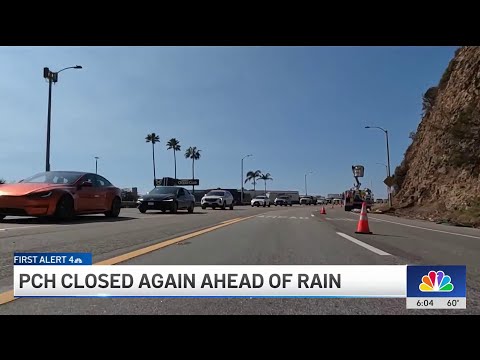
439	177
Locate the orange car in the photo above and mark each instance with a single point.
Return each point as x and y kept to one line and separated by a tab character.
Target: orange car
62	194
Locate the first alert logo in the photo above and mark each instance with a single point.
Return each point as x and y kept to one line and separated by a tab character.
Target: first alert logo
177	281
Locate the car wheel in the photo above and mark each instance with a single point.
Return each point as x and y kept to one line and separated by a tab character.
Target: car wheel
191	207
64	210
275	204
290	204
231	206
142	208
2	217
204	207
214	207
174	208
258	204
269	205
115	208
223	205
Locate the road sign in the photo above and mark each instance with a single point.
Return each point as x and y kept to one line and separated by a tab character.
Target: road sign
166	181
389	181
184	182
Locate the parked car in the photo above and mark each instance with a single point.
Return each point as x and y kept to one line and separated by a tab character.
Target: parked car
218	198
283	201
165	198
61	194
260	200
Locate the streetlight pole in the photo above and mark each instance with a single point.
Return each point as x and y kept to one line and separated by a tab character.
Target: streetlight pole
306	193
388	159
241	193
52	78
386	171
96	164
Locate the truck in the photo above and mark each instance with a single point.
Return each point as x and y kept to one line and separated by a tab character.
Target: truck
355	197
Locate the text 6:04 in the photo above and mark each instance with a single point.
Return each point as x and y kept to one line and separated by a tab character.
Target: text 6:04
425	302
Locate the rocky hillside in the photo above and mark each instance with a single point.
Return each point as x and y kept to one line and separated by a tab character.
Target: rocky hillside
439	177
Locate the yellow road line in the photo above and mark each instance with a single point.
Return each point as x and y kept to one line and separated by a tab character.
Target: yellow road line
161	245
7	296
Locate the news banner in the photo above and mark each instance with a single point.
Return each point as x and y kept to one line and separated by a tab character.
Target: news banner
75	275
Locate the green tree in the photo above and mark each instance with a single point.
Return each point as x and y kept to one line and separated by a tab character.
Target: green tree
194	154
174	144
153	138
265	177
253	176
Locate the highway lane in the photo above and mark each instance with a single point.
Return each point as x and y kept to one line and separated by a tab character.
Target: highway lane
103	237
420	242
291	236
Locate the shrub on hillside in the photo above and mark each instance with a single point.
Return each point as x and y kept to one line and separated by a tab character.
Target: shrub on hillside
429	99
400	174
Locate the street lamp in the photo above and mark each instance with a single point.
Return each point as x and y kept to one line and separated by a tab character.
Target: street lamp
52	78
241	194
96	164
308	173
388	158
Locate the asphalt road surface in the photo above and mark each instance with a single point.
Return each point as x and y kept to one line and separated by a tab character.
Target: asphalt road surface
296	235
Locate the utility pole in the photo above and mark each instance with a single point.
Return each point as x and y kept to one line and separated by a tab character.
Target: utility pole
388	159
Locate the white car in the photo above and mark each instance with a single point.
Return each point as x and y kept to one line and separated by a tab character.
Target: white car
261	200
218	198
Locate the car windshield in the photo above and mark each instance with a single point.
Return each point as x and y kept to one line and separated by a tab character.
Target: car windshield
164	190
216	193
54	177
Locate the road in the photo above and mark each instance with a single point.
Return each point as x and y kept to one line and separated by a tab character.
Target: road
271	236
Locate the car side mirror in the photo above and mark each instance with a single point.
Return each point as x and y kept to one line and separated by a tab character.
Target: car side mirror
85	184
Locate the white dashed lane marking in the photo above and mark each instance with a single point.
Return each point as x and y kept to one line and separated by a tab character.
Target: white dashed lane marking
364	245
23	227
284	217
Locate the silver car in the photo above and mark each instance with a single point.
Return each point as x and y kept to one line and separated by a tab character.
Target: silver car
218	198
261	200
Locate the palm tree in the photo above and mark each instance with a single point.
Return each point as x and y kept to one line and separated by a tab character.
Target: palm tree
252	176
265	177
194	154
175	145
153	138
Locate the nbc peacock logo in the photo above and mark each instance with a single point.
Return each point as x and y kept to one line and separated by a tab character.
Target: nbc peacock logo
436	282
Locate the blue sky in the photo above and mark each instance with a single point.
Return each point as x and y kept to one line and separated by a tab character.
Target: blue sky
294	108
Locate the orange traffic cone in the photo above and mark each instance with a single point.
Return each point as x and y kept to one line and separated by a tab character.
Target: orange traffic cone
323	211
362	227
